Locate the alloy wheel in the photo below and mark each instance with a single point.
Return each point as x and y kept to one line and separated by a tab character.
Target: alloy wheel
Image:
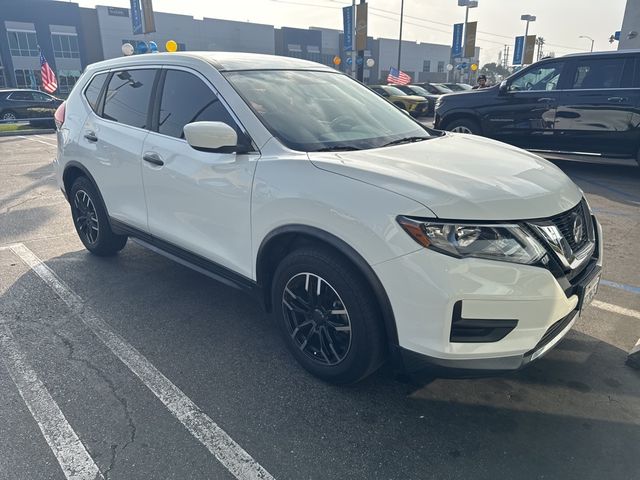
461	129
9	116
316	319
86	217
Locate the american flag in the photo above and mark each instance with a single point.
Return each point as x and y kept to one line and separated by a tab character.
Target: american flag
49	82
398	77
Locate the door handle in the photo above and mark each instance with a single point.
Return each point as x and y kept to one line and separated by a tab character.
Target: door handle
91	136
545	100
153	158
617	99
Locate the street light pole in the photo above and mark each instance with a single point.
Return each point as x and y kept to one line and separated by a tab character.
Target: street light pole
588	38
467	4
353	39
400	36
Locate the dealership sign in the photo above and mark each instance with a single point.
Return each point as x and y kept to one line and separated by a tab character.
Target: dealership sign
456	46
136	17
347	18
518	50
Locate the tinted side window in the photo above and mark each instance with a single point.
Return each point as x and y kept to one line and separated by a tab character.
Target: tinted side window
22	96
127	99
544	77
186	99
41	97
93	90
598	73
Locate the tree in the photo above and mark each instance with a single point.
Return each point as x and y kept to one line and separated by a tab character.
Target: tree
494	72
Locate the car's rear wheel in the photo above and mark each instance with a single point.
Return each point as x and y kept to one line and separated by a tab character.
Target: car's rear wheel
91	220
464	125
327	315
8	115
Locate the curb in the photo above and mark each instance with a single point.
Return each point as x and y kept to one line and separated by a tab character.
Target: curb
633	359
27	132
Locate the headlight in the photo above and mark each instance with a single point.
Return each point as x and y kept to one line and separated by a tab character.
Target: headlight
506	242
438	102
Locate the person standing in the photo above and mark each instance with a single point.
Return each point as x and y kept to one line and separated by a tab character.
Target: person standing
482	82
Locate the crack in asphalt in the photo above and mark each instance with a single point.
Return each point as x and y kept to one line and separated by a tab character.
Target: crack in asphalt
37	196
112	387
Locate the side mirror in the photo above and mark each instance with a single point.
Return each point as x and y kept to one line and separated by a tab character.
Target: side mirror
504	87
212	137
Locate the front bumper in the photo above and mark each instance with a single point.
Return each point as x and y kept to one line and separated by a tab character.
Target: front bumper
426	287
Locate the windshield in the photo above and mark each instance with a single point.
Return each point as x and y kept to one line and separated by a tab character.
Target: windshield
393	91
441	88
418	90
313	110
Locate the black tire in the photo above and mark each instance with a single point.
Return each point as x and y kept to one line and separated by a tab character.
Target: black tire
8	115
464	125
350	356
91	221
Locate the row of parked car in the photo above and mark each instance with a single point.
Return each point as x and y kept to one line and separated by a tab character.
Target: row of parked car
419	98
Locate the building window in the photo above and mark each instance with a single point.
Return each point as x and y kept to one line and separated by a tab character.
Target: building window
67	79
441	67
65	45
426	66
22	44
28	78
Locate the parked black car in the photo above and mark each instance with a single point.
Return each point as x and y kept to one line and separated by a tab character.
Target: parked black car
24	104
575	106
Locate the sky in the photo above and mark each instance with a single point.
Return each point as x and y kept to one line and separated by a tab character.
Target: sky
559	22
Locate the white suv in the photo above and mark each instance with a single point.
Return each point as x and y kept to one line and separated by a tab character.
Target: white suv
368	235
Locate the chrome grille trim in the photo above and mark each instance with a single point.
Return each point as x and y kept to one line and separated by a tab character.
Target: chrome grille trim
558	235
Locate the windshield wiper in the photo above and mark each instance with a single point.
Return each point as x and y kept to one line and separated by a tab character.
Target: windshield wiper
337	148
405	140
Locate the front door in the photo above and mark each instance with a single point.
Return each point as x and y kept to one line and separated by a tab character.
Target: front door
525	112
596	107
199	201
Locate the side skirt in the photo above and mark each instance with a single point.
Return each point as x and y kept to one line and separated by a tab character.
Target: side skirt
189	259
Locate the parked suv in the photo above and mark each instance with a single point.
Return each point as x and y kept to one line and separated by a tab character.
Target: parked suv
367	235
415	104
24	104
578	105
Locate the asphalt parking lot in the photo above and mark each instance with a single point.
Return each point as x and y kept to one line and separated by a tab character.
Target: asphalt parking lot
134	367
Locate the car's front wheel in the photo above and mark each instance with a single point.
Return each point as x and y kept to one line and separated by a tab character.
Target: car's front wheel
327	315
464	125
91	220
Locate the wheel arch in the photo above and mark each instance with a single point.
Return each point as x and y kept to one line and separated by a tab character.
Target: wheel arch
279	242
459	115
72	171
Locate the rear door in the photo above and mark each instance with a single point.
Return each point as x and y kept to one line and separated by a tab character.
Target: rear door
596	107
113	139
524	114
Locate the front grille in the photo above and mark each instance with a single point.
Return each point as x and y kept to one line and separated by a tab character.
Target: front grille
565	223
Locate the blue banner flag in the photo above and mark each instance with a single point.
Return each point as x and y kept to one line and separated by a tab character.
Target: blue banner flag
347	18
136	17
456	46
518	51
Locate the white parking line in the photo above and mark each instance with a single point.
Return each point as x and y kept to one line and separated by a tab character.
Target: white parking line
199	424
75	461
36	140
609	307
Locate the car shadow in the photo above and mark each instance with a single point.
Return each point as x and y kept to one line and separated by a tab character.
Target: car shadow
573	414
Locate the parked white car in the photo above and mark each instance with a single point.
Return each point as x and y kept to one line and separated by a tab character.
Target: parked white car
369	236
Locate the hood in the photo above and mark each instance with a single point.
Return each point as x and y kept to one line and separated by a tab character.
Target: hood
461	177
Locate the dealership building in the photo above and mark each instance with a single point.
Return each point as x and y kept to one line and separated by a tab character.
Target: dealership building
72	37
630	31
